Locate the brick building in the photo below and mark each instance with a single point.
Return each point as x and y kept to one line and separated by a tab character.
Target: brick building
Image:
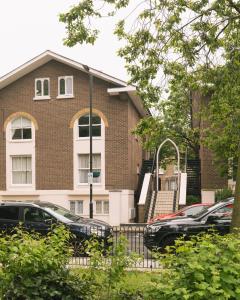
44	138
210	177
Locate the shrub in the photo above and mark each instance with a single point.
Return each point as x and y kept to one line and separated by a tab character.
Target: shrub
192	199
223	194
206	267
34	267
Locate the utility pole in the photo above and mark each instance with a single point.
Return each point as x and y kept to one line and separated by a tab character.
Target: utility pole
90	174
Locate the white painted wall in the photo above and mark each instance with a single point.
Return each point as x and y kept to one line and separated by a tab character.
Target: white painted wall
208	196
183	189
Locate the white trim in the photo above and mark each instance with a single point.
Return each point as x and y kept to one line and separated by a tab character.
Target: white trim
61	96
65	97
41	97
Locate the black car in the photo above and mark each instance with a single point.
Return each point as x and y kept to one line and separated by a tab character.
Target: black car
163	233
40	216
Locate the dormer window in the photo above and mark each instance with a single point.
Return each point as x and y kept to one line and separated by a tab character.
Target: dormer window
42	88
65	87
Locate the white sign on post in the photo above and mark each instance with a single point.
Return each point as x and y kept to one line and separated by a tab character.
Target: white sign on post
90	178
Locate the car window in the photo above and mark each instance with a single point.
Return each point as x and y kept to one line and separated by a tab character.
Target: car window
9	212
224	211
193	210
33	214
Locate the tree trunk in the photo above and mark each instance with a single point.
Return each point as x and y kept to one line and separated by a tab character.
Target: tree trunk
236	207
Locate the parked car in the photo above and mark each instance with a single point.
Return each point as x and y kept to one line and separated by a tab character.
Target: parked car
187	211
40	216
164	232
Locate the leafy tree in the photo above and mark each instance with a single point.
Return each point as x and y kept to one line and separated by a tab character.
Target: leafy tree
168	40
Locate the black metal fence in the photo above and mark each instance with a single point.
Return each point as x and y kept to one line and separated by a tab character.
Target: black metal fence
133	234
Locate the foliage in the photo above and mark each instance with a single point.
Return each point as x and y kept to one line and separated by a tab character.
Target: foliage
192	199
35	268
193	45
223	194
112	264
206	267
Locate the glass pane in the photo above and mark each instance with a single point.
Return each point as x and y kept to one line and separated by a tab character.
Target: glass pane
29	164
17	177
27	133
96	119
39	88
80	207
97	179
72	206
33	215
83	131
96	159
17	134
98	207
83	176
106	207
83	160
26	123
17	123
62	86
84	120
96	130
28	179
16	163
9	213
69	86
45	87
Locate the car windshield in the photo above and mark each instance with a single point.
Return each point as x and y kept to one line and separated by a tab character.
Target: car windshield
61	213
207	210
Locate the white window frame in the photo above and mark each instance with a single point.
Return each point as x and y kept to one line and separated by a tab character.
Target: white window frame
88	125
86	183
42	97
103	211
76	205
21	184
20	140
65	95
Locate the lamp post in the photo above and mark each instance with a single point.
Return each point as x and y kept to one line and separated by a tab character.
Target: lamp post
90	174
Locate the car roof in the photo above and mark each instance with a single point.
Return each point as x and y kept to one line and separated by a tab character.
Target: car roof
25	203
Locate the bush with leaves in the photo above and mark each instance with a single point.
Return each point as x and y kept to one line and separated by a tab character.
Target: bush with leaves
223	194
34	267
205	267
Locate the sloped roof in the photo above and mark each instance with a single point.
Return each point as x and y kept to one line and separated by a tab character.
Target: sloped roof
48	55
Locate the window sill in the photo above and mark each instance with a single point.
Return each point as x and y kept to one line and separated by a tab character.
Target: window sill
65	96
88	138
87	184
42	98
21	141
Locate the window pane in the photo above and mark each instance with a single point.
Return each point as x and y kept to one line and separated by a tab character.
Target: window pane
96	119
27	133
28	177
45	87
96	159
106	207
39	88
84	120
17	123
29	164
84	131
16	163
69	86
96	130
98	207
33	215
17	134
62	86
9	213
17	177
83	161
80	207
83	176
72	206
26	123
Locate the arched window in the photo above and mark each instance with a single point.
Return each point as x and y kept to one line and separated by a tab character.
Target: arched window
84	126
21	129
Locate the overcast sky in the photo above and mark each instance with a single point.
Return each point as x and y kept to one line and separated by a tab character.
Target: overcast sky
29	27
